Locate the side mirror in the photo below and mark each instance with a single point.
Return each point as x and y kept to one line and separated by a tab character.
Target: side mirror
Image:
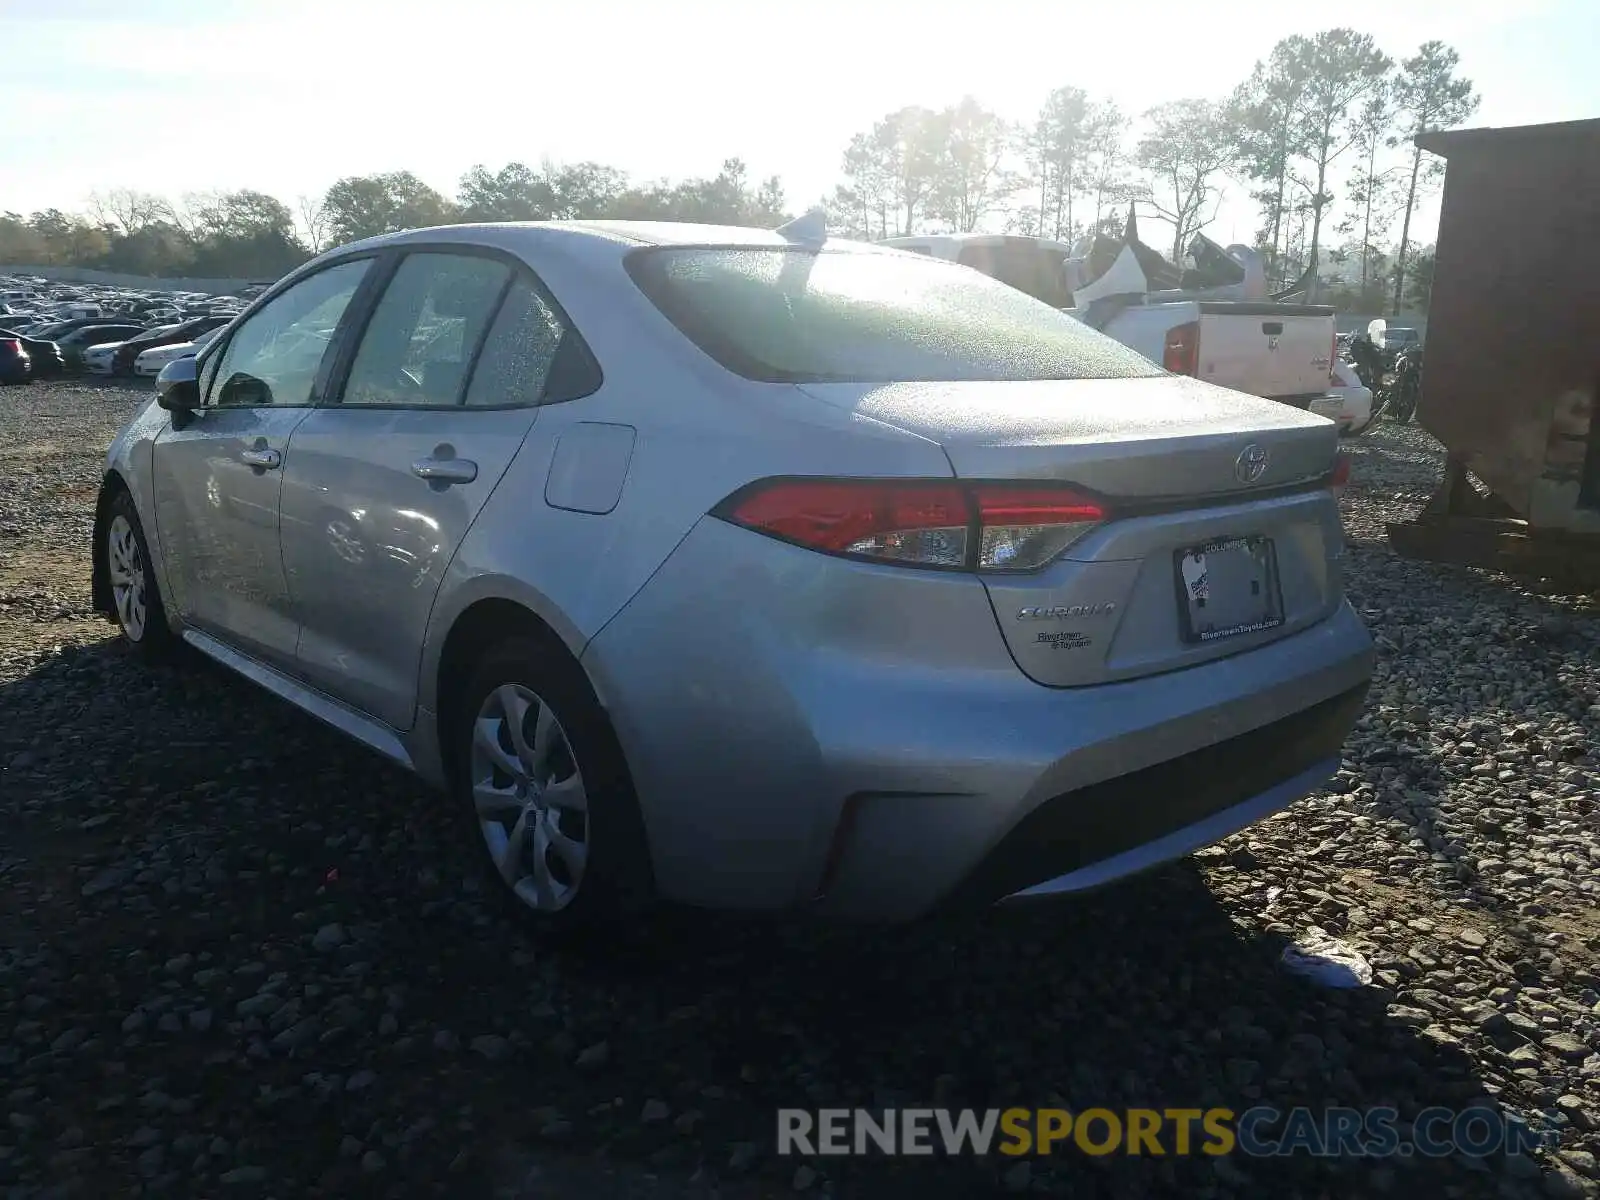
177	390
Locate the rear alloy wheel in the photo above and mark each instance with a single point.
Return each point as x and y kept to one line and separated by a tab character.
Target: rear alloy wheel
134	594
528	794
540	771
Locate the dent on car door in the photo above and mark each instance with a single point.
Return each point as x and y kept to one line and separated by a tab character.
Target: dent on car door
217	480
382	486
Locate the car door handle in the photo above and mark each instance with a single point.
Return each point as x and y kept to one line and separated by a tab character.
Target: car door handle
267	460
445	470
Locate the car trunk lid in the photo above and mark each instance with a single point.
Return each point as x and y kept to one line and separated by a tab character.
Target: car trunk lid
1161	437
1220	536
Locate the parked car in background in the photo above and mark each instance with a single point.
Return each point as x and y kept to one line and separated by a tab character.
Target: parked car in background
151	335
56	328
97	359
149	362
980	604
186	331
1399	337
1349	402
77	342
45	356
15	365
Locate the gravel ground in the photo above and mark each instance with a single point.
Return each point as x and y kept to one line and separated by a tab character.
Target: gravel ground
237	955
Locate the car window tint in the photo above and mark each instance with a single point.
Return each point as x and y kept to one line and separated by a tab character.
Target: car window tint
520	353
422	335
272	358
792	315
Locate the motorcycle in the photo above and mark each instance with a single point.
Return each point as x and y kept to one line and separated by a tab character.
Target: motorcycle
1405	386
1395	380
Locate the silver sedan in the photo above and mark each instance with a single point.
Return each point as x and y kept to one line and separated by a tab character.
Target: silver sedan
746	568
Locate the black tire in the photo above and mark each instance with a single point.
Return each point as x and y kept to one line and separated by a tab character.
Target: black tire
153	639
616	880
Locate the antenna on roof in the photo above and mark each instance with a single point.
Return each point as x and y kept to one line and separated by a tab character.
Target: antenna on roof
811	226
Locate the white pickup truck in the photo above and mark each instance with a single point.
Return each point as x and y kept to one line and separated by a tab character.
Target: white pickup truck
1285	352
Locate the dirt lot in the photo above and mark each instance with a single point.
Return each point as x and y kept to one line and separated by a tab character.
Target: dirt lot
238	955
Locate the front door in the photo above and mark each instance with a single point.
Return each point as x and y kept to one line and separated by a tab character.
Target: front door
218	480
381	487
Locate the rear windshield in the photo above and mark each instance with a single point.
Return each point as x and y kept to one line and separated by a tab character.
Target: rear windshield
791	315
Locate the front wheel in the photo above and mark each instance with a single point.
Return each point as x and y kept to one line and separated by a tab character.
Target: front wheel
548	798
135	595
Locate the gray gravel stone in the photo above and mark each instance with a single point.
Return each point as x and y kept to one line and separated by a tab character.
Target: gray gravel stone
1457	849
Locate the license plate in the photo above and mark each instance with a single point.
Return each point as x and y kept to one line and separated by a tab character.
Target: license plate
1228	587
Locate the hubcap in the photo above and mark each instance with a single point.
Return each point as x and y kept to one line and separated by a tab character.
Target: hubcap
127	577
530	800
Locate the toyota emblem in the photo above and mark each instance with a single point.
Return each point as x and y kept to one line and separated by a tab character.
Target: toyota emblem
1251	464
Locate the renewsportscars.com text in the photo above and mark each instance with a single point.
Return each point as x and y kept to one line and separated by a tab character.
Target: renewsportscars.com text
1260	1132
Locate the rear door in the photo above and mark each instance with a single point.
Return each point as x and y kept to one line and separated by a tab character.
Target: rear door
382	485
1277	351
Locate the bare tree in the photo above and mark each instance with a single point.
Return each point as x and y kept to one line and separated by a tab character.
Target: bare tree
194	213
312	217
1428	96
127	210
1057	148
1187	147
1371	186
1105	133
1268	137
970	145
891	170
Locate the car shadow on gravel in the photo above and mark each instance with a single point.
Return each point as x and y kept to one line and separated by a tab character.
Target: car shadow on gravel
229	934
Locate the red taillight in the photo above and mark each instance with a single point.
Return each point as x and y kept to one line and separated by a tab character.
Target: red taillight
981	527
1180	354
11	344
1341	472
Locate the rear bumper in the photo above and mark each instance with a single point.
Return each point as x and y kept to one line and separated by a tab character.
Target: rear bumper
856	740
1082	839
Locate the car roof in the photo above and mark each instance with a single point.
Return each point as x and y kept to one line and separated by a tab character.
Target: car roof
975	239
577	235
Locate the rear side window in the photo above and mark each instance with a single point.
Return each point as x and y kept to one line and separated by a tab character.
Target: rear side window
520	354
791	315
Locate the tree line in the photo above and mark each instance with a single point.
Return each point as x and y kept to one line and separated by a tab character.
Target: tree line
1318	138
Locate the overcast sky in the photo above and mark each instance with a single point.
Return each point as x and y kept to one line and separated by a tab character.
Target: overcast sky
285	96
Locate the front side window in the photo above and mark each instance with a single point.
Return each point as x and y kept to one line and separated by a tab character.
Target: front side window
793	315
425	331
272	358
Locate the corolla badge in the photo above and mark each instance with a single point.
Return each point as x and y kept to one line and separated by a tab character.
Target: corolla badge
1067	612
1251	464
